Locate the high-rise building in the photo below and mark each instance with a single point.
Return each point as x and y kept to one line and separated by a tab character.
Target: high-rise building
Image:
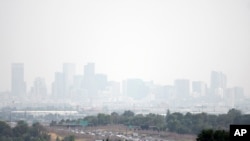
39	88
77	86
89	84
68	77
230	97
182	88
239	92
101	81
235	93
58	86
114	88
89	70
135	88
199	88
218	83
165	92
18	86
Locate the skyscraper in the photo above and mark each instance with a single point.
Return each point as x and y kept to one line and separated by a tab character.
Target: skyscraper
101	81
89	84
68	77
135	88
182	88
39	88
58	86
218	83
89	70
239	92
18	86
199	88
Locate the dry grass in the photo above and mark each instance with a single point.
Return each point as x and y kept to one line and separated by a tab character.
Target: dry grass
53	136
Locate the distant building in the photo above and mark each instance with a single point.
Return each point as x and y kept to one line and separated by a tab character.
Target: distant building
199	88
68	77
239	92
182	88
135	88
39	88
18	86
58	86
165	92
89	84
77	86
89	70
114	88
229	97
101	81
234	94
218	83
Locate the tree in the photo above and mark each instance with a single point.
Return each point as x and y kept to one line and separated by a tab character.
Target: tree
22	132
233	114
221	135
92	120
114	117
5	129
211	135
206	135
69	138
128	113
20	129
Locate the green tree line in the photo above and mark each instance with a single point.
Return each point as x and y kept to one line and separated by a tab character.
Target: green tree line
213	135
175	122
23	132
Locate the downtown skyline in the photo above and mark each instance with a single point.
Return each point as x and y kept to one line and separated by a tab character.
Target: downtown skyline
68	77
153	40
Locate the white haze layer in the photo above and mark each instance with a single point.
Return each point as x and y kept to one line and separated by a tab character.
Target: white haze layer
158	40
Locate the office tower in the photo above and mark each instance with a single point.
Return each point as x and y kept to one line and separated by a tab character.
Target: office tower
229	97
182	88
218	83
89	84
199	88
58	86
101	81
18	86
124	87
68	77
239	92
135	88
164	92
89	70
114	88
39	88
78	81
77	86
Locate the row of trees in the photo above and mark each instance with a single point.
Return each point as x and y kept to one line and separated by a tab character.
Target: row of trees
23	132
175	122
213	135
194	123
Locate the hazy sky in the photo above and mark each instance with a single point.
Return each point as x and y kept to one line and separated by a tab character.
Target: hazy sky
158	40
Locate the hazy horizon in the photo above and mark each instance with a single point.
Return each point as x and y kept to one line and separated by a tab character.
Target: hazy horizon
152	40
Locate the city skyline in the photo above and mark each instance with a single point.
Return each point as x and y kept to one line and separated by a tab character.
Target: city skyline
67	77
153	40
